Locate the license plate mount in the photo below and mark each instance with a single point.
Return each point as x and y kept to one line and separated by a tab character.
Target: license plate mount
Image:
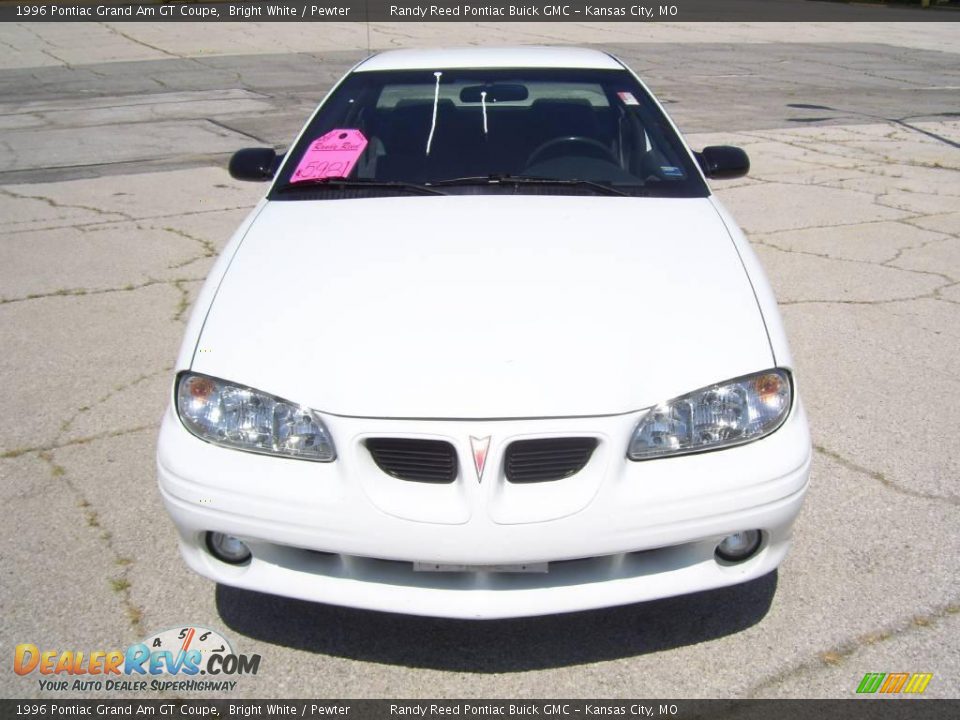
454	567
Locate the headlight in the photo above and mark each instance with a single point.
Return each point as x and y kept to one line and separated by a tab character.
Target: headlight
242	418
725	414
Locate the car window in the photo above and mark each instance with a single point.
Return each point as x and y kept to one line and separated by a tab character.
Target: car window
456	129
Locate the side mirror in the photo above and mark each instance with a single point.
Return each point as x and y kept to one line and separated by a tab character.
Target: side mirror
723	162
256	164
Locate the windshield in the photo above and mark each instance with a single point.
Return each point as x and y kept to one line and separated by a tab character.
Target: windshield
488	131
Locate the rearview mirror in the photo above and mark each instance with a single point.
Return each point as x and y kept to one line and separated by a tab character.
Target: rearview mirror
723	162
257	164
501	92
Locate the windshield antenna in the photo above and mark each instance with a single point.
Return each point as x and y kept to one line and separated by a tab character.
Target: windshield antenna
366	17
483	104
436	101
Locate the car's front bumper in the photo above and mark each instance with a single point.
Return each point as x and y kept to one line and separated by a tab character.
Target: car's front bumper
615	533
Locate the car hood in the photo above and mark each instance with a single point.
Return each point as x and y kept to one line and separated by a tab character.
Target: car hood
484	306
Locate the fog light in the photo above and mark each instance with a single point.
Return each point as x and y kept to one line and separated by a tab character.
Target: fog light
228	548
739	546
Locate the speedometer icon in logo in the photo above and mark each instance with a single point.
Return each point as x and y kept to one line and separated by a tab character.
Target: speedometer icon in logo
182	640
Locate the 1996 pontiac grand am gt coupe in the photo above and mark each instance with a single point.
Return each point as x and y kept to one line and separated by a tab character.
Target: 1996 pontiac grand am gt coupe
488	347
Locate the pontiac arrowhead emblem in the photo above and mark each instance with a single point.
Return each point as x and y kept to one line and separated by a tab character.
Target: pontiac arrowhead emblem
479	447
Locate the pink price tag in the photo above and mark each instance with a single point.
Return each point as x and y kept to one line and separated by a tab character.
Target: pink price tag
332	155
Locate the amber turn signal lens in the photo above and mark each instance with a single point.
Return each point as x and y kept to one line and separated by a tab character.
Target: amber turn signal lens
201	387
769	388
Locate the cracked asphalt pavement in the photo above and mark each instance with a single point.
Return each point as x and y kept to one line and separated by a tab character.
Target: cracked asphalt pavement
114	203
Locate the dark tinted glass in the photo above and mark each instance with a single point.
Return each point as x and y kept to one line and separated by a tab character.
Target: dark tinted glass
590	125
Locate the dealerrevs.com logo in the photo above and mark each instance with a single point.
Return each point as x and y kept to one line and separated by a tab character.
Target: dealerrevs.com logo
894	683
184	659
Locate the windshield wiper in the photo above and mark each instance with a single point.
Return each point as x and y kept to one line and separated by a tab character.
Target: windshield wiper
372	184
528	180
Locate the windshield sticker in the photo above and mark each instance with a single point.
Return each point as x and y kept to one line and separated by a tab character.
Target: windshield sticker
671	171
332	155
627	98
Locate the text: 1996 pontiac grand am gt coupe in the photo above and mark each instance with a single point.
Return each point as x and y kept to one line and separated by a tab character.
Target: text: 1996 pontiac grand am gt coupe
489	347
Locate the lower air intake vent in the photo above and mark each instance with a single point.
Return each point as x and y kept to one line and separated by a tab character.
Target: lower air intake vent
548	459
433	461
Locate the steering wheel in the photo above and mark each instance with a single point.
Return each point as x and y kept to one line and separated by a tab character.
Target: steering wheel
597	148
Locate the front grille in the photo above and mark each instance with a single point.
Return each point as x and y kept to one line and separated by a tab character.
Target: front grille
433	461
548	459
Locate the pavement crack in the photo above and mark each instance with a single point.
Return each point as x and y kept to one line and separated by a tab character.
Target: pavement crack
99	224
82	292
183	304
56	445
821	148
934	136
938	294
828	226
120	582
72	206
919	246
46	43
67	424
207	247
831	657
236	74
883	479
244	133
816	301
884	264
141	43
912	222
935	294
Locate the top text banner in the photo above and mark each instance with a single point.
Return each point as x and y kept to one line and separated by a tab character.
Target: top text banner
479	11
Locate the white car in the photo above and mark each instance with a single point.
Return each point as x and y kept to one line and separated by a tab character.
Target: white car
489	347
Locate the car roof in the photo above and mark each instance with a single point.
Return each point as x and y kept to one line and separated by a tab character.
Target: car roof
508	57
